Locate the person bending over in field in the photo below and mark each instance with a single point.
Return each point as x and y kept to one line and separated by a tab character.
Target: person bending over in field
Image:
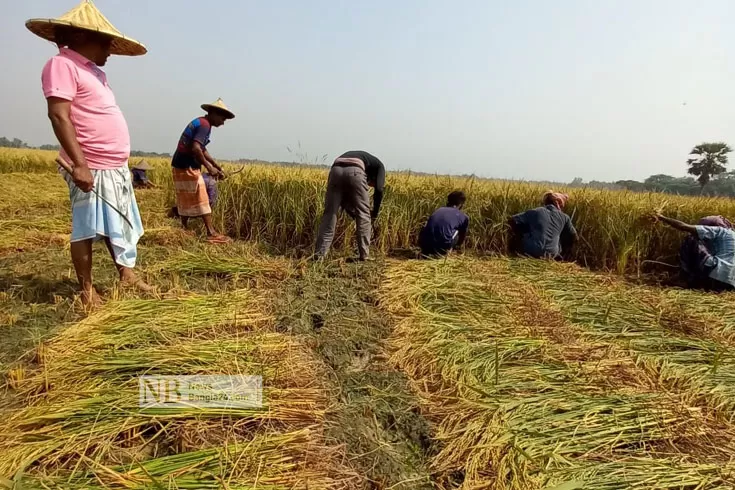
94	139
192	195
545	232
708	253
347	188
446	228
140	177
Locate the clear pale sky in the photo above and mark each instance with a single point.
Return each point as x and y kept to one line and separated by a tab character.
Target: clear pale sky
529	89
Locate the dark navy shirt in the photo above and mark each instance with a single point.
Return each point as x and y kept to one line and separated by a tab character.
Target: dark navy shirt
139	176
541	229
443	227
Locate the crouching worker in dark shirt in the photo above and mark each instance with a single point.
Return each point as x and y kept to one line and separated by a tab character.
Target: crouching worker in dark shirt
446	228
545	232
140	177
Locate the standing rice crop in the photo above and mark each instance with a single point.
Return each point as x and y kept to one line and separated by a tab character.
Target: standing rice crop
282	207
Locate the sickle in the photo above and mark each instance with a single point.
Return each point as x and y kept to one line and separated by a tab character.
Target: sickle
69	169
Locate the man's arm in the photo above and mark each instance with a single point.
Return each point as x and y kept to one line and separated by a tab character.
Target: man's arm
463	232
676	224
515	232
379	188
567	239
518	222
211	160
200	155
59	112
512	224
198	147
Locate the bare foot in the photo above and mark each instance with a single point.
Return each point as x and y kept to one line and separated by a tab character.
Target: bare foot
219	239
91	300
130	280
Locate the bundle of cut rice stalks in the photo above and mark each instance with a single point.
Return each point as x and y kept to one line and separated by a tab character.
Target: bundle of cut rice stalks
81	419
266	461
683	338
513	408
240	261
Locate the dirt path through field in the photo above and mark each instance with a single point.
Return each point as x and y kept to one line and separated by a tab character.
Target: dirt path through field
374	414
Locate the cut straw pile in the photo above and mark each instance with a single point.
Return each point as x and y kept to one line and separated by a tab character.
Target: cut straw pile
240	262
682	337
527	393
31	219
76	422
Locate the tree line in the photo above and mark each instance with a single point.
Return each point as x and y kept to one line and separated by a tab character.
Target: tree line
707	169
722	185
18	143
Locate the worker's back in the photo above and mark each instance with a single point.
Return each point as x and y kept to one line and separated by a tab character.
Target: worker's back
442	228
542	228
720	242
140	179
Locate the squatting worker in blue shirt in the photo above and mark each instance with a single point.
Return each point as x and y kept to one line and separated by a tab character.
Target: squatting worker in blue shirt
545	232
140	177
716	259
347	188
446	228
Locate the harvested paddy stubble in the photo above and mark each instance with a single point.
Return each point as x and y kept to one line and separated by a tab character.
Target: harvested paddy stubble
521	398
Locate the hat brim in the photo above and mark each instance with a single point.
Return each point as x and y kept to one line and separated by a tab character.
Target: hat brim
121	45
210	107
141	166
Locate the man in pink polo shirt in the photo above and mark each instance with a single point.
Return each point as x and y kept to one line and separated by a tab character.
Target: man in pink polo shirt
94	139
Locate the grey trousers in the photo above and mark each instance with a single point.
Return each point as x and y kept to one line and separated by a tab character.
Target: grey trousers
347	188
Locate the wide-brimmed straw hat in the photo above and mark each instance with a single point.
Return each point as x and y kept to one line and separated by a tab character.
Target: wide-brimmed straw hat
220	107
142	165
87	17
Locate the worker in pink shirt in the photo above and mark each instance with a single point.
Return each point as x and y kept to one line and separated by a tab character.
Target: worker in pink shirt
94	139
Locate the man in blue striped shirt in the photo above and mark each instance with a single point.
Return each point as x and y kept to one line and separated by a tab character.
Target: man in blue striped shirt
192	192
718	262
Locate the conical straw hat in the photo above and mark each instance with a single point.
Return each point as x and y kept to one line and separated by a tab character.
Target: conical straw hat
219	106
142	165
85	16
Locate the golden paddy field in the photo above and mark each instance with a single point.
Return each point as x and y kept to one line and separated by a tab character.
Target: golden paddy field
475	372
